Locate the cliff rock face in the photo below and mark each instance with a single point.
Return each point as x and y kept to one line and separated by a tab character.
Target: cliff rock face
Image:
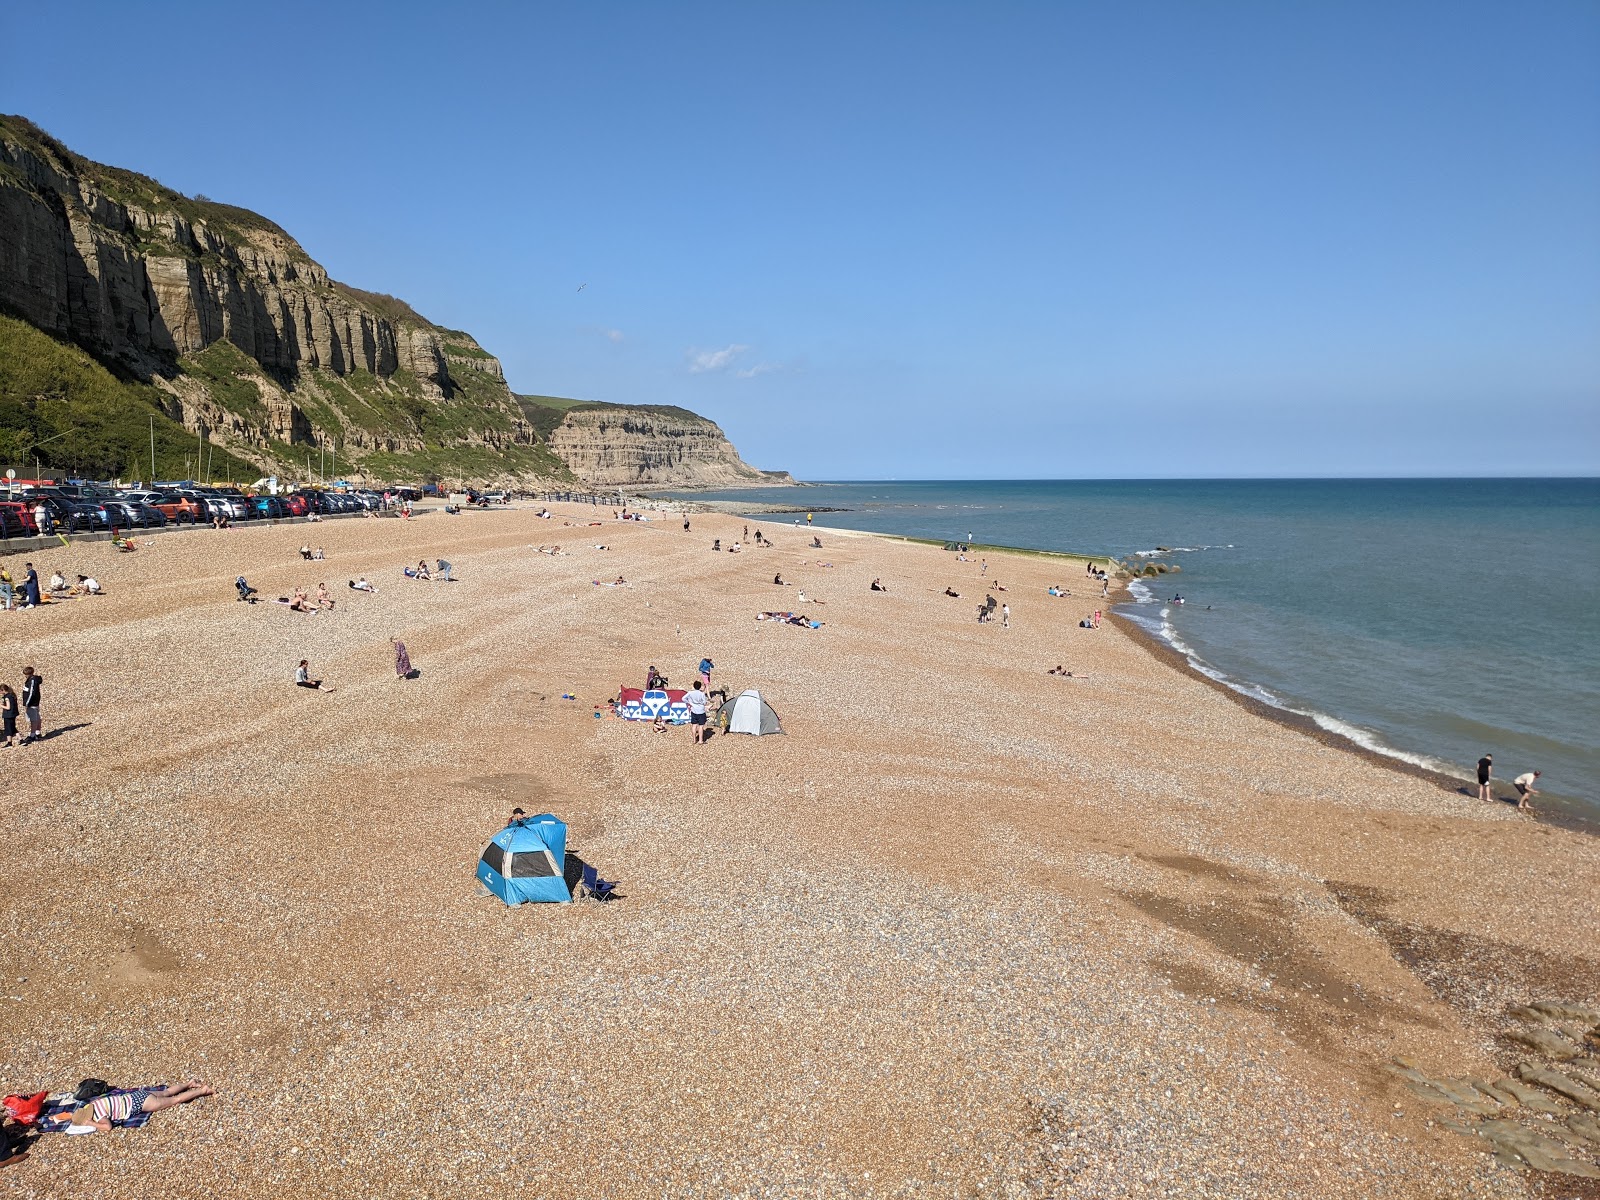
611	446
254	348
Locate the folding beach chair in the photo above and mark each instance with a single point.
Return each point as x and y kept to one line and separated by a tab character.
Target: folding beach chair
592	887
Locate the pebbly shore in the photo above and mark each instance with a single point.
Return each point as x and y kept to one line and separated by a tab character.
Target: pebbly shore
966	929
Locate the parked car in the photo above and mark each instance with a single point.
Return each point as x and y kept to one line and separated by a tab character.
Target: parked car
90	515
131	514
16	519
271	507
295	504
234	505
180	506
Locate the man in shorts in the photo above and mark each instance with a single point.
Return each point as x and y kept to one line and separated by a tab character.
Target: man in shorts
697	701
1485	769
1523	783
31	686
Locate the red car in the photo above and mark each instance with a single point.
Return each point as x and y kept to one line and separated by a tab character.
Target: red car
296	505
16	519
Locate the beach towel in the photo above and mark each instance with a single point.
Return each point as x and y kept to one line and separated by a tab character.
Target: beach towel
120	1106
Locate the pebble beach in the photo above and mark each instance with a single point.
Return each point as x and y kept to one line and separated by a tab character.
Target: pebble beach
966	929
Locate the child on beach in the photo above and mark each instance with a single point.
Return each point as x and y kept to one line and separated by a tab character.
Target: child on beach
8	714
302	678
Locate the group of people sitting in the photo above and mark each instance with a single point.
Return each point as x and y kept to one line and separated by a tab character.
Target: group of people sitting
310	555
304	603
86	586
421	571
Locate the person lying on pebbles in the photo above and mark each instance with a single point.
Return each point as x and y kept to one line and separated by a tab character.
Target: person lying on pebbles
130	1108
1065	674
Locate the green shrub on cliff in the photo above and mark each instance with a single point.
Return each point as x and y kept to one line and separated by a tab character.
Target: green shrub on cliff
60	406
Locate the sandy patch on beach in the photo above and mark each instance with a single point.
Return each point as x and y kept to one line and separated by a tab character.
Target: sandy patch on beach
967	929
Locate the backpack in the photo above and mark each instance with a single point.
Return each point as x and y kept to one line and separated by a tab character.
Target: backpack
91	1089
25	1110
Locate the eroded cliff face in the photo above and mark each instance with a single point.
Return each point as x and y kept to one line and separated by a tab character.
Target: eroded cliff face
253	347
145	277
614	446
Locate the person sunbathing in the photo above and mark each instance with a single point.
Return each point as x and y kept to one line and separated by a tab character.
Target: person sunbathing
122	1106
323	599
422	571
877	586
952	592
301	602
361	585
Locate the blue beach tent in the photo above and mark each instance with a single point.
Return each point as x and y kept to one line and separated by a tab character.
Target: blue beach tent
526	860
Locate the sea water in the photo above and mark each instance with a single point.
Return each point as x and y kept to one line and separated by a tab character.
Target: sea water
1429	620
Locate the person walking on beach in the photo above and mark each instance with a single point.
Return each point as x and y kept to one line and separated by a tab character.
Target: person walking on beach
32	684
706	667
8	714
1005	616
1485	770
402	659
30	587
697	701
1524	785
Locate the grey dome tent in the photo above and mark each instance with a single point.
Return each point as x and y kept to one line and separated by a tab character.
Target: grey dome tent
749	713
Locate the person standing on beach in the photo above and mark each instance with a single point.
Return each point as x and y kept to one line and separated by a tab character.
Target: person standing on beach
1485	769
697	701
32	684
1524	785
8	714
706	667
402	659
30	588
1005	616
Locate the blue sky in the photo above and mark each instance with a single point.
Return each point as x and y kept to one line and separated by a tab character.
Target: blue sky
927	240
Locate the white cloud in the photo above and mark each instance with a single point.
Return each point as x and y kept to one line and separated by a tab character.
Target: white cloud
761	368
613	335
701	361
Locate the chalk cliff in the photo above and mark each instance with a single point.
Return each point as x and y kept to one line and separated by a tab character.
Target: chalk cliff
612	445
245	342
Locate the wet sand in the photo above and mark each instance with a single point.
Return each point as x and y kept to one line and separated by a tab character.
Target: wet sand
967	928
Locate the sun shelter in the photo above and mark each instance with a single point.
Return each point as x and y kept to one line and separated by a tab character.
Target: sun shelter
636	704
749	713
525	861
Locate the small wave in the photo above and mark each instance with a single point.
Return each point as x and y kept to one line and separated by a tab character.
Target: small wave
1158	552
1141	593
1365	738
